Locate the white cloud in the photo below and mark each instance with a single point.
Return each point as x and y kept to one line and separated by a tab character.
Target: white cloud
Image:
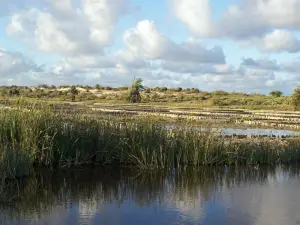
81	34
196	14
146	41
103	15
17	68
127	60
256	17
276	41
51	36
14	63
82	64
252	18
264	64
197	69
66	29
280	41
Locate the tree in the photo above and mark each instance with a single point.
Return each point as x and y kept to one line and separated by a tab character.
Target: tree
98	87
179	89
74	92
296	98
276	93
13	91
134	91
195	90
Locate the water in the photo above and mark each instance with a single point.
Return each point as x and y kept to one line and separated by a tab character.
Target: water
208	196
259	131
243	131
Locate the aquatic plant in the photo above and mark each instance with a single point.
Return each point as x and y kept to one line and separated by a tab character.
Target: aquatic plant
36	135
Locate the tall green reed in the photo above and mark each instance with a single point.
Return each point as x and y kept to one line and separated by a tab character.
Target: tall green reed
36	135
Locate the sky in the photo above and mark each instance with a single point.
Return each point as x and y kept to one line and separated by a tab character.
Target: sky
233	45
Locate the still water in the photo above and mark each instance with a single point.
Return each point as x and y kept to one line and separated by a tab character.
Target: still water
241	131
259	131
206	196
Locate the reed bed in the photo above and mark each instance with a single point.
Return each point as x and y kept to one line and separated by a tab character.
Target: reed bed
38	136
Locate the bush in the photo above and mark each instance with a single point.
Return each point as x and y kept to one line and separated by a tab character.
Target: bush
276	93
163	89
179	89
86	96
195	90
155	97
64	86
108	88
124	88
220	93
13	91
296	98
43	86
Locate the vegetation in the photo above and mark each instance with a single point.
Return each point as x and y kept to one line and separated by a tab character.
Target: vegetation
276	93
35	135
296	98
135	90
190	97
74	92
98	87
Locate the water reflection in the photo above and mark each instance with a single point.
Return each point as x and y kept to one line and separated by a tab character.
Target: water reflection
259	131
208	196
239	131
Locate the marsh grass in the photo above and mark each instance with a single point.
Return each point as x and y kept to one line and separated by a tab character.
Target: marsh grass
35	135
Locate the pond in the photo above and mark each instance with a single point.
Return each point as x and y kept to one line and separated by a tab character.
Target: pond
241	131
259	131
206	196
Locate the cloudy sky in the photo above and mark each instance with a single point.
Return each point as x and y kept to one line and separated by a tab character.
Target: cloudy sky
233	45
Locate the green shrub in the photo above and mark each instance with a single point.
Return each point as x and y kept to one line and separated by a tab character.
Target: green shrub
276	94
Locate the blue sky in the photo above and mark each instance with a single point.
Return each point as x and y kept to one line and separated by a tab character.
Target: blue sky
190	43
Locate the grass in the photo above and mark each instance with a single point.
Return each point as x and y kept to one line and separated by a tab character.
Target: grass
33	135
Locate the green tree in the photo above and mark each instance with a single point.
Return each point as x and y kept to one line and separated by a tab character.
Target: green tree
135	89
276	93
74	92
98	87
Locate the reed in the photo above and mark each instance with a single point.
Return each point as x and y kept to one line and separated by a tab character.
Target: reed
36	135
